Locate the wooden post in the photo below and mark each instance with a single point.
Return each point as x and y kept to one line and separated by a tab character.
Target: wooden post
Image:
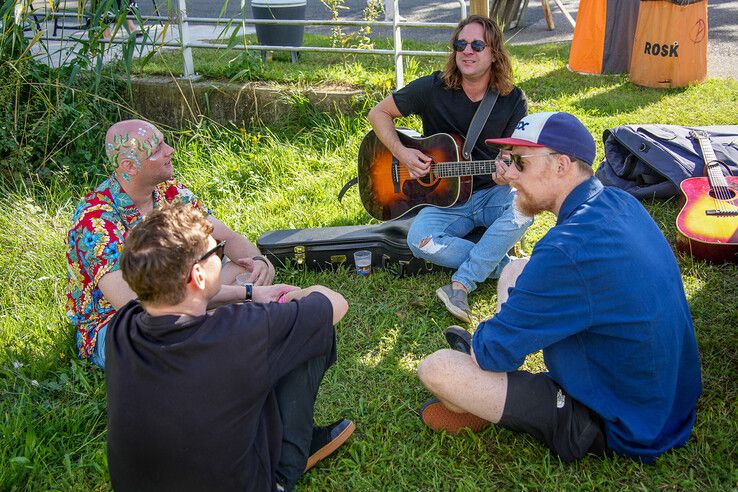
479	7
566	13
548	15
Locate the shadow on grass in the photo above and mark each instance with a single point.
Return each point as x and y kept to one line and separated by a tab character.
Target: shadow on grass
552	51
624	98
610	94
712	291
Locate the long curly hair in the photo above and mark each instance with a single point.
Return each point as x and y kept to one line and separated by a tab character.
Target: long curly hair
501	77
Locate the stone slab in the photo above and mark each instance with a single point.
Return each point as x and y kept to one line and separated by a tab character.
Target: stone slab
177	103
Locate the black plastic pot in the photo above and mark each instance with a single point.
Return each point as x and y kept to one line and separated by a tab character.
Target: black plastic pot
277	35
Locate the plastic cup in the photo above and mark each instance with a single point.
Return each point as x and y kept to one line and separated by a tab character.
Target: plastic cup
243	278
363	262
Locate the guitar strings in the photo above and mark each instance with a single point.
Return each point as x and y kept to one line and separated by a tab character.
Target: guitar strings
440	168
718	183
722	193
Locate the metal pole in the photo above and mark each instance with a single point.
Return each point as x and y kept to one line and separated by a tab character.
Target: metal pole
243	21
462	4
399	71
184	39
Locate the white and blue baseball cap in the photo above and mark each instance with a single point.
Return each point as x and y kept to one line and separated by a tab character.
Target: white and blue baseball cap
559	131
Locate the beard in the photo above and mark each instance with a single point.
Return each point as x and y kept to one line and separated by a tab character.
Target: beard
526	206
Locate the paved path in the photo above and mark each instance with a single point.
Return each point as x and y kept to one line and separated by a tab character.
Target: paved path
722	21
722	58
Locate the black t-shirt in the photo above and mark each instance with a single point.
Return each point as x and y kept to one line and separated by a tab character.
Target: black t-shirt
444	110
190	400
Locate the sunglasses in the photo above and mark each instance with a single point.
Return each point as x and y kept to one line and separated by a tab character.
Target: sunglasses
218	249
477	45
517	160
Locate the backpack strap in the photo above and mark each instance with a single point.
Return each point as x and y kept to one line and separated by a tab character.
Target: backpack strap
477	123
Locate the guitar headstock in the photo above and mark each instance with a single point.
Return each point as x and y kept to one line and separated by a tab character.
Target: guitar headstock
697	134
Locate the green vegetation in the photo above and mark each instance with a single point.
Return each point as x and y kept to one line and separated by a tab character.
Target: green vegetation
371	72
52	408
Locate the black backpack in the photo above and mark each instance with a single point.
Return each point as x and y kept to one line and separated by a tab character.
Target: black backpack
649	161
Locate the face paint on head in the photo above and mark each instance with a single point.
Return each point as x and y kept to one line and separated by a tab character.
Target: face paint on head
134	140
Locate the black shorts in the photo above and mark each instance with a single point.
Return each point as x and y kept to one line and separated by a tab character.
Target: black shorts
538	406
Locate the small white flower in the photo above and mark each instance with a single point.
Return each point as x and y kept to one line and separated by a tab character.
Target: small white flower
34	382
17	365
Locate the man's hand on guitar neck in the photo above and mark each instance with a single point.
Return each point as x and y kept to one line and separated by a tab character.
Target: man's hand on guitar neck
417	163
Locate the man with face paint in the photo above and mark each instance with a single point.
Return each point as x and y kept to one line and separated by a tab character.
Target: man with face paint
142	181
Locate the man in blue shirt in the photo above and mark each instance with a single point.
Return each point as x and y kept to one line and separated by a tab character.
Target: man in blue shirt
602	296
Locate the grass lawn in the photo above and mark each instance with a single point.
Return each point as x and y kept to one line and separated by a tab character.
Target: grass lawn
52	408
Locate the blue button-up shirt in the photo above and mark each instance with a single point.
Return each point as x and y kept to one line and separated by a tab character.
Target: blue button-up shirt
602	295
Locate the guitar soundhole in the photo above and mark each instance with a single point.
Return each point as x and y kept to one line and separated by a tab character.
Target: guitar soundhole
427	180
723	193
419	188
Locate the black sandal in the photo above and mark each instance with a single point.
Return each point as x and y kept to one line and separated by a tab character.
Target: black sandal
458	339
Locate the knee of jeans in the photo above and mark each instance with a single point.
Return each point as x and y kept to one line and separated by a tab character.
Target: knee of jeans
424	246
521	220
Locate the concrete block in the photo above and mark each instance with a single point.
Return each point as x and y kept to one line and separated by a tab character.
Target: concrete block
177	103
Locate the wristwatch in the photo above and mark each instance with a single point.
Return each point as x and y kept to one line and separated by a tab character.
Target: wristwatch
249	292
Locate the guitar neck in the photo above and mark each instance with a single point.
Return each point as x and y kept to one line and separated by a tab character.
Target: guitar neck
714	172
463	168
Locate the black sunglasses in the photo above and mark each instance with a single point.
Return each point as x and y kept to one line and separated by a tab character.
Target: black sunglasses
477	45
517	160
218	249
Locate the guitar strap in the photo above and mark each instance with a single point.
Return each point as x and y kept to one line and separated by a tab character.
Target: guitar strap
477	123
351	182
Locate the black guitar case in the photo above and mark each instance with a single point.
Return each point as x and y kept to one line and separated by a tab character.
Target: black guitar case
327	248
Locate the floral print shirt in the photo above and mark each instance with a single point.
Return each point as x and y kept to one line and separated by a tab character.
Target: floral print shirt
94	243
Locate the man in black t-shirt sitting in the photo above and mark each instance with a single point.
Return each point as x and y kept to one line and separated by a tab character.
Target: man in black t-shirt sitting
446	103
213	400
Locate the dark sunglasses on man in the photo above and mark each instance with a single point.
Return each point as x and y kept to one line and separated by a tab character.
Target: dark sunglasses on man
517	160
218	249
477	45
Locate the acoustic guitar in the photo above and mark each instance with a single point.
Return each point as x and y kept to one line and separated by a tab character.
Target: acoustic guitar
707	225
386	189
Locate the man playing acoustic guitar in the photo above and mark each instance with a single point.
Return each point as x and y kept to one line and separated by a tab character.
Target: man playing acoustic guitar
446	102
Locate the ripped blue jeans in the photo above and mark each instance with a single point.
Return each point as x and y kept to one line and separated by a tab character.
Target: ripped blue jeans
441	232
